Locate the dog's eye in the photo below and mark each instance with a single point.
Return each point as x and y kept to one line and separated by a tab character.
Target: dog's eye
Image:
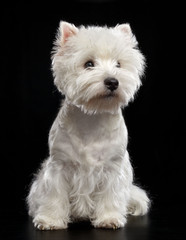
118	65
89	64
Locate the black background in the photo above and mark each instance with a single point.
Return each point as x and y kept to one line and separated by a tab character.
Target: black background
29	101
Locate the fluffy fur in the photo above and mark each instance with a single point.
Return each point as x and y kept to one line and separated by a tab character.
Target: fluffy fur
88	174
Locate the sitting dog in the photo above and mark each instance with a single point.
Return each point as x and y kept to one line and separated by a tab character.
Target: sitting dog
88	174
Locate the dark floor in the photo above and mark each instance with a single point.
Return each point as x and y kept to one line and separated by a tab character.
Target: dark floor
165	223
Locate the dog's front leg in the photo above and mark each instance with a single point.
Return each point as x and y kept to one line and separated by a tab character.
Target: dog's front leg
48	199
53	212
110	209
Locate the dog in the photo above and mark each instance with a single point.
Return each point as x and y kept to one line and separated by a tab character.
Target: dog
88	174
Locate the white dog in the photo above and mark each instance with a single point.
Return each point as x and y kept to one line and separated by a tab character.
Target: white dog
88	174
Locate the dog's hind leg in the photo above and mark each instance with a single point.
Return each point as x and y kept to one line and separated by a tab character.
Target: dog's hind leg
139	202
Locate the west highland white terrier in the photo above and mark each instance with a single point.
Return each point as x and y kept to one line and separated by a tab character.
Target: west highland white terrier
88	174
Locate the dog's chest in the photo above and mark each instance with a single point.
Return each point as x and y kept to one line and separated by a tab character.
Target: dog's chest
90	128
91	139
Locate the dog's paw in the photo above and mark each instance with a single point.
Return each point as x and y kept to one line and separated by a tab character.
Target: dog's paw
44	226
112	223
43	223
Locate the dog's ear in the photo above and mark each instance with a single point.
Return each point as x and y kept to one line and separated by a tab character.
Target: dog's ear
126	29
66	30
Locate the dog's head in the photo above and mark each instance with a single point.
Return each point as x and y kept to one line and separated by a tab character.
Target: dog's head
97	68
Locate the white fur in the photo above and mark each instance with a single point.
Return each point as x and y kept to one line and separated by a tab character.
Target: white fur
88	174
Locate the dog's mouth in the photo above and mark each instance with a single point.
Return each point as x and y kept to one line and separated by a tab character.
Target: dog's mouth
108	95
107	101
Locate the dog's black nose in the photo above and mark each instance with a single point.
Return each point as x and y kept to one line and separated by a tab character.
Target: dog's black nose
111	83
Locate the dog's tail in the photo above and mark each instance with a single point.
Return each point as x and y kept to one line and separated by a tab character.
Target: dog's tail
139	202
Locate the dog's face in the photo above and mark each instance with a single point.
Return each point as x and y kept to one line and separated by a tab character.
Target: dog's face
97	68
